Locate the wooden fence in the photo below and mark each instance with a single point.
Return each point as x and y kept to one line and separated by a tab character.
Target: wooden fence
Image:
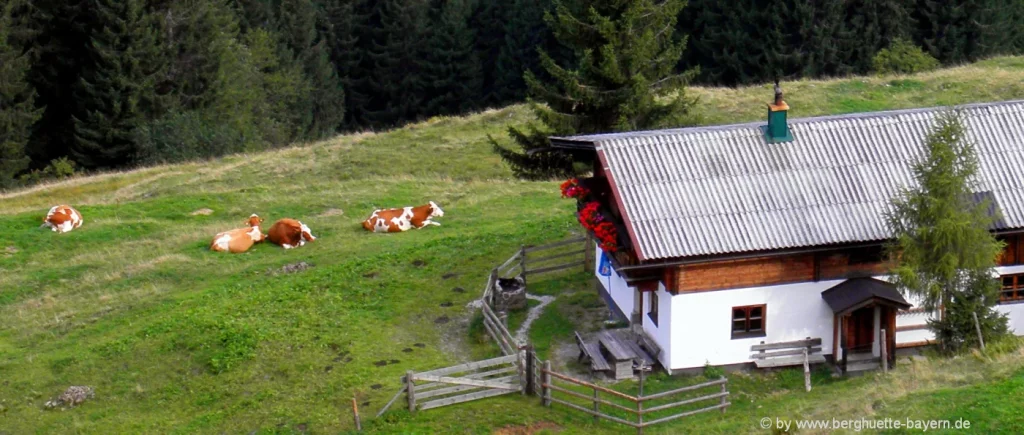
565	254
463	383
631	410
536	260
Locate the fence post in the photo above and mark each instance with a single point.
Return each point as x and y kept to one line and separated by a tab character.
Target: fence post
885	354
355	414
546	379
588	252
521	355
522	263
410	390
493	279
640	403
596	409
807	372
721	403
977	327
531	368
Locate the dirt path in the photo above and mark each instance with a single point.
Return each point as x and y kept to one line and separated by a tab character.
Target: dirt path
522	335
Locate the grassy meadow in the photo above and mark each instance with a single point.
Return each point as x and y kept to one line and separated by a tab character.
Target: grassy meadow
177	339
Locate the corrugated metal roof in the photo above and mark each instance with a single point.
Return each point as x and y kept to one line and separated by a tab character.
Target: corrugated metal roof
724	189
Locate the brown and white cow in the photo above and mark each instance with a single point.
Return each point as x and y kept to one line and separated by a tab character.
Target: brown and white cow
63	218
290	233
239	240
396	220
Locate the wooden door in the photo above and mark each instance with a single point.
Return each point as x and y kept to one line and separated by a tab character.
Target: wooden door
860	328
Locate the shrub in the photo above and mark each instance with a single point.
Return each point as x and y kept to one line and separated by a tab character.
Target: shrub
57	169
903	57
711	372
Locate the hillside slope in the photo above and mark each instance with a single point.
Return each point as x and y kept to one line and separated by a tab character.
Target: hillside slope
176	338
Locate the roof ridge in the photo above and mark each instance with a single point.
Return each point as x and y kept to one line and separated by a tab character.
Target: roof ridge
605	137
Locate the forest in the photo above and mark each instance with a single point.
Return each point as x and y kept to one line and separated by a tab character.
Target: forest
109	84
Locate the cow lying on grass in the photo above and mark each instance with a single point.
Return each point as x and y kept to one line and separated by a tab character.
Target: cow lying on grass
396	220
239	240
62	218
290	233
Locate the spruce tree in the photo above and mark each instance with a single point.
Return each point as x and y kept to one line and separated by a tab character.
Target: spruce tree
304	34
452	70
394	77
116	92
17	103
489	23
875	24
347	30
59	40
945	253
624	79
525	32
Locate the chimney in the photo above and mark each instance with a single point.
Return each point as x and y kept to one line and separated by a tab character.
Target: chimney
777	130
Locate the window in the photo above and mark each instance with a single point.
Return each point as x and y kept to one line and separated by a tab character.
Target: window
1012	288
653	313
867	255
748	321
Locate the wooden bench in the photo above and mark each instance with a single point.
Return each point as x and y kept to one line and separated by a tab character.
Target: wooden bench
788	353
591	353
620	355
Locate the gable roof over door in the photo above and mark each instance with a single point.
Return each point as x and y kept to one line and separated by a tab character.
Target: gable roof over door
724	189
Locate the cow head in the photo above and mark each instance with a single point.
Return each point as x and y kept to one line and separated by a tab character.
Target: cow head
435	211
307	235
254	221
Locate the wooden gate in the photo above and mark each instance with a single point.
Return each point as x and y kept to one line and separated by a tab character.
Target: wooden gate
464	382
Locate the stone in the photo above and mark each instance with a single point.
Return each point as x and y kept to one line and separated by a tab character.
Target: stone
73	396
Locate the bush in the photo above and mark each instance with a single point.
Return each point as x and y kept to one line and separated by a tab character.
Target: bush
187	136
903	57
711	372
58	169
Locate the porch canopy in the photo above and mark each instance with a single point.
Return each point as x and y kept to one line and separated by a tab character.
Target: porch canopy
855	293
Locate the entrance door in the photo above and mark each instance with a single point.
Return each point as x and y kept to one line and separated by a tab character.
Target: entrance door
860	330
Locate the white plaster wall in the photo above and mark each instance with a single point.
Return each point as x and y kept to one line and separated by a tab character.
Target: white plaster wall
913	319
1016	314
660	332
621	293
701	324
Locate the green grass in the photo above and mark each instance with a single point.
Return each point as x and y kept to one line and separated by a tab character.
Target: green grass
176	339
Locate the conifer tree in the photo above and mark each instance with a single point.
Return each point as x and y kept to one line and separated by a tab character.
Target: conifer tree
59	50
489	23
347	31
874	25
452	70
525	32
116	92
394	79
17	103
303	31
945	253
624	79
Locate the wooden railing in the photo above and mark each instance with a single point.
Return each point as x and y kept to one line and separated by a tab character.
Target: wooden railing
633	412
527	262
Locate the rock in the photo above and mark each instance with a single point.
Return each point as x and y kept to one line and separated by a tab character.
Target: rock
202	212
295	267
73	396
